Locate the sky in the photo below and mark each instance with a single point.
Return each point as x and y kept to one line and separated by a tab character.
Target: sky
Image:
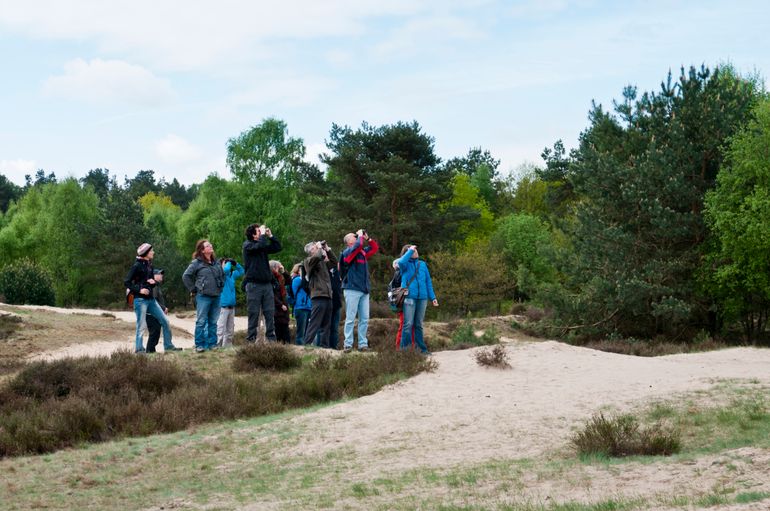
163	84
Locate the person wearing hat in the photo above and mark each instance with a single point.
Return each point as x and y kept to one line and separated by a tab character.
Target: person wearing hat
153	325
140	282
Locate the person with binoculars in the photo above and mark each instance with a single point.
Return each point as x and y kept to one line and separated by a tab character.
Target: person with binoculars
317	264
354	271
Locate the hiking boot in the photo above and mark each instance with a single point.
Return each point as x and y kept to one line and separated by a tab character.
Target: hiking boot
199	349
347	350
140	352
172	348
363	348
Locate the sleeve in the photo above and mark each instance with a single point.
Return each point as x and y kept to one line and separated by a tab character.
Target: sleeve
350	253
332	262
238	272
431	293
401	261
273	245
295	283
252	246
129	280
159	297
371	249
227	267
188	277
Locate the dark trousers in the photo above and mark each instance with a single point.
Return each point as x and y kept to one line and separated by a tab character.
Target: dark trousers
282	333
320	320
259	298
153	330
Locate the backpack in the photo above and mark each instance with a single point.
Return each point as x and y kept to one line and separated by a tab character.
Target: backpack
344	267
304	283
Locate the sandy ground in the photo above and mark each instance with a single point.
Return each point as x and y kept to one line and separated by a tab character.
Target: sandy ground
463	414
184	323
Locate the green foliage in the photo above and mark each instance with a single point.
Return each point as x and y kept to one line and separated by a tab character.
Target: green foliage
26	282
53	224
622	435
471	281
737	270
387	180
525	242
640	177
465	337
466	195
265	150
223	209
9	192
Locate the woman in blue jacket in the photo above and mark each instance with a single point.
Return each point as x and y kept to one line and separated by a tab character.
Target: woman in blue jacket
416	277
302	304
226	323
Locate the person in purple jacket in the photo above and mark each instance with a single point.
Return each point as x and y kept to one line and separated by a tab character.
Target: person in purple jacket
416	277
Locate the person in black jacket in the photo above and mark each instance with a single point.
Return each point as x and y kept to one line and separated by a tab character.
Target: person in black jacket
153	325
258	282
140	282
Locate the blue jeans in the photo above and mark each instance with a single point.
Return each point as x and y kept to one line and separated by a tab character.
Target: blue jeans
414	314
141	307
301	316
356	304
206	316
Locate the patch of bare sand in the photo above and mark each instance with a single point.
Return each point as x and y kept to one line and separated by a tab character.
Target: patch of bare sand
463	414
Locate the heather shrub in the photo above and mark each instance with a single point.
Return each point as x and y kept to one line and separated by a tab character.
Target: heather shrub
622	435
493	357
269	355
52	405
26	282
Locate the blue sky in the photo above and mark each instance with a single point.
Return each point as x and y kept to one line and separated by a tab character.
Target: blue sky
163	84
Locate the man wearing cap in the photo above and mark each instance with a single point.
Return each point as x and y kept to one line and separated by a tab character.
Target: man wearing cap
140	282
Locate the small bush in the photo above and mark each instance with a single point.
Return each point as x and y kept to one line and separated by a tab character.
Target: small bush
465	337
9	324
26	282
494	357
269	355
622	435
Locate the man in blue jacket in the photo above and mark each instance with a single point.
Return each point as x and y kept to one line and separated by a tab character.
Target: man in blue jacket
355	284
226	324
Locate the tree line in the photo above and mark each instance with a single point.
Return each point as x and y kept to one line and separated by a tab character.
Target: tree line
653	226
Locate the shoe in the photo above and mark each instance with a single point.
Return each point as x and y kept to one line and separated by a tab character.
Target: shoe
173	348
347	350
426	353
199	349
363	348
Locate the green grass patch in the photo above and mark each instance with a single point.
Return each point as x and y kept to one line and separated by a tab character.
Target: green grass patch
622	435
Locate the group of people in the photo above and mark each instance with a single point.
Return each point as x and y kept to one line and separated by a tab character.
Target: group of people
314	291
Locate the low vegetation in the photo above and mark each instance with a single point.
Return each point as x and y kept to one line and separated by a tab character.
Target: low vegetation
622	435
493	357
52	405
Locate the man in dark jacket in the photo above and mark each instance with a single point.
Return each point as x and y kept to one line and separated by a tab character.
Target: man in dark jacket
317	265
258	282
153	325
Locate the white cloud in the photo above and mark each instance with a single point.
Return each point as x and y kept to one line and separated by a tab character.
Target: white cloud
283	91
15	170
428	32
106	81
175	150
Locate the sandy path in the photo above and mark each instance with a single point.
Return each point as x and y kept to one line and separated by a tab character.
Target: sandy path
108	346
